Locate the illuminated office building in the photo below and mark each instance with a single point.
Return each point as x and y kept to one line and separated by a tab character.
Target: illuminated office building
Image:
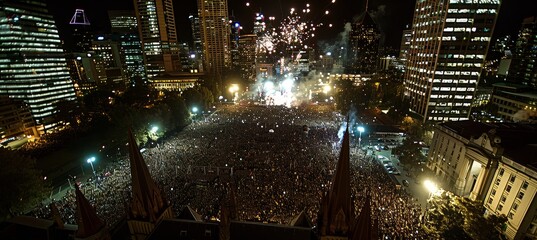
363	49
32	63
523	67
450	40
81	34
156	25
215	32
108	53
406	39
259	24
125	31
197	50
247	56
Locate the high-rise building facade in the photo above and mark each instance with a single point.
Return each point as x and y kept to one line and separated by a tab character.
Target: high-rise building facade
450	39
247	56
81	32
110	61
363	46
406	39
156	26
523	66
215	32
197	47
32	63
125	31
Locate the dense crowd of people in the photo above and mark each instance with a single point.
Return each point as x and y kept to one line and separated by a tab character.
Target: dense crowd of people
278	161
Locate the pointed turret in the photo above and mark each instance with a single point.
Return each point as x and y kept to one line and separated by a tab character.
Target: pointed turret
148	201
228	212
364	228
337	210
56	217
89	224
148	205
301	220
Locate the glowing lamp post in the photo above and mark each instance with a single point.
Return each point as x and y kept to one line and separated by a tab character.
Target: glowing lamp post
360	130
90	161
326	89
234	90
432	188
154	129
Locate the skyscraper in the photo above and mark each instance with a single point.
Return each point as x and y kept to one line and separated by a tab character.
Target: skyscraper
247	56
363	46
81	34
109	59
156	25
523	68
406	39
125	31
215	32
450	39
196	39
33	66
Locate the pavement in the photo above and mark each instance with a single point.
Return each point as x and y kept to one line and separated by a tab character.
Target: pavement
415	179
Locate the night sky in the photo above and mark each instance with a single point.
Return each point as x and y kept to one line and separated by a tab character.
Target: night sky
391	15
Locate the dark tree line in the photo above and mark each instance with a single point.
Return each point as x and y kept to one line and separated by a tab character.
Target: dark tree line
22	186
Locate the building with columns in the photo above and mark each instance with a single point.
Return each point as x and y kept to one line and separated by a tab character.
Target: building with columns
493	163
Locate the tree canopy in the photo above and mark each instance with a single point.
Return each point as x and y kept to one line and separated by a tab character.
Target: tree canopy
453	217
26	186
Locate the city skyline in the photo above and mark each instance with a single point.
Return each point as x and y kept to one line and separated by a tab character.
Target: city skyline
286	119
393	15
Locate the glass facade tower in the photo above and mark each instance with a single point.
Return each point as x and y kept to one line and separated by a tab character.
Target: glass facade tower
33	67
450	39
156	25
215	32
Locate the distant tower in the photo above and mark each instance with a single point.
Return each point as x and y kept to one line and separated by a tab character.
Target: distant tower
110	59
33	66
247	56
450	40
523	68
148	205
336	216
197	50
259	24
406	39
89	224
125	30
156	26
363	45
336	213
215	32
81	34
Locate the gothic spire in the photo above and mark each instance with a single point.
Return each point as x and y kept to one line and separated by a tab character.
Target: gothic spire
147	200
364	228
56	217
338	213
88	222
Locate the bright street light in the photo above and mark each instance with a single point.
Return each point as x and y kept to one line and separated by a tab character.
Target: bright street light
234	90
326	89
154	129
194	109
90	161
360	130
431	187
